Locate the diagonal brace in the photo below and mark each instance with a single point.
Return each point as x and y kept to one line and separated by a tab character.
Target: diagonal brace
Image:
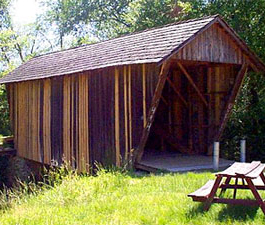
228	108
177	92
188	76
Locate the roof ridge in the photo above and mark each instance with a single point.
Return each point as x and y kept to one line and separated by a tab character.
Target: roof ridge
133	33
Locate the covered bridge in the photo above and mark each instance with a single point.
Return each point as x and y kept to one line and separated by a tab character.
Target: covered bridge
164	89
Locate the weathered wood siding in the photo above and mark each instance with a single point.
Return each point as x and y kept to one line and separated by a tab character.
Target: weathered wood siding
96	116
212	45
196	125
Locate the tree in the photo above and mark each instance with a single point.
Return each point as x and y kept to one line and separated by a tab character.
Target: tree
104	19
4	22
16	47
4	13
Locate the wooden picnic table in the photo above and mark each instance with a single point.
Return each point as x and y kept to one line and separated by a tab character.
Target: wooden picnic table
252	177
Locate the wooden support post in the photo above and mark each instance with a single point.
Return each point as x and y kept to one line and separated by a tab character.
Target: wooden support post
216	151
126	113
130	108
235	190
232	98
192	83
177	92
66	119
243	151
117	119
47	120
144	95
151	115
210	112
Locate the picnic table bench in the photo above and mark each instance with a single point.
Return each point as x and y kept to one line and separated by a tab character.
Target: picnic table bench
252	178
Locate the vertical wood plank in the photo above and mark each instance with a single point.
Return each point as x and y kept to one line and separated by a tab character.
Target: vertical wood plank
86	112
217	96
38	121
80	162
117	115
210	111
177	108
66	119
47	121
126	113
72	122
15	115
130	106
144	94
83	138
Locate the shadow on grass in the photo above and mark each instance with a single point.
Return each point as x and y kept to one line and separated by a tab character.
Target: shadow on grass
237	212
227	213
195	211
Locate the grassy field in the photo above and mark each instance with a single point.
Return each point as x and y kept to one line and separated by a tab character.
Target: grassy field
116	198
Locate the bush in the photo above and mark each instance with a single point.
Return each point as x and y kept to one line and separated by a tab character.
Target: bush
247	121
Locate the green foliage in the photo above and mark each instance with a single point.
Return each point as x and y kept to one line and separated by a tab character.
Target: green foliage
16	47
4	112
152	13
247	120
4	13
120	198
107	18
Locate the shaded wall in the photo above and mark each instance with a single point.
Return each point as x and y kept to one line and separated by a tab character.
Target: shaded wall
82	118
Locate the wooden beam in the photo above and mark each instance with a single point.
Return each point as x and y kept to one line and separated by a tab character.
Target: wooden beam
130	108
164	100
117	117
192	83
126	113
144	94
47	120
259	64
66	119
177	92
151	115
238	83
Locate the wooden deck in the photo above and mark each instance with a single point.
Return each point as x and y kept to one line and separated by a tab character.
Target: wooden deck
176	162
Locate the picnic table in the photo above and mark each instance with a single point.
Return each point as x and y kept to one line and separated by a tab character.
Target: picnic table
251	176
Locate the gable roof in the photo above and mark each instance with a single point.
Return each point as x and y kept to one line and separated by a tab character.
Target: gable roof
150	46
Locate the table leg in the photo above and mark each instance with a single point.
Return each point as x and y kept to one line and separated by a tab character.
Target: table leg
262	177
209	201
235	190
256	194
227	181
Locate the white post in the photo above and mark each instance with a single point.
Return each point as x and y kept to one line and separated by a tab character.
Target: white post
216	156
243	151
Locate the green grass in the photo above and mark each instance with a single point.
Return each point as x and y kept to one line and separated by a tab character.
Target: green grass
116	198
1	140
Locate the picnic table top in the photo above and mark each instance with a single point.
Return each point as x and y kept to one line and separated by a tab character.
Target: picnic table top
248	170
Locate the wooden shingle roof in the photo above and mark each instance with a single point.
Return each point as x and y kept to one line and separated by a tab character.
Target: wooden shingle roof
150	46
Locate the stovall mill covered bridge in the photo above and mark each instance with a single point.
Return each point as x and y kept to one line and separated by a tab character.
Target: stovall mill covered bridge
163	90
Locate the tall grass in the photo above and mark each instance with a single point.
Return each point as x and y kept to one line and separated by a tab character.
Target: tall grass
114	197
